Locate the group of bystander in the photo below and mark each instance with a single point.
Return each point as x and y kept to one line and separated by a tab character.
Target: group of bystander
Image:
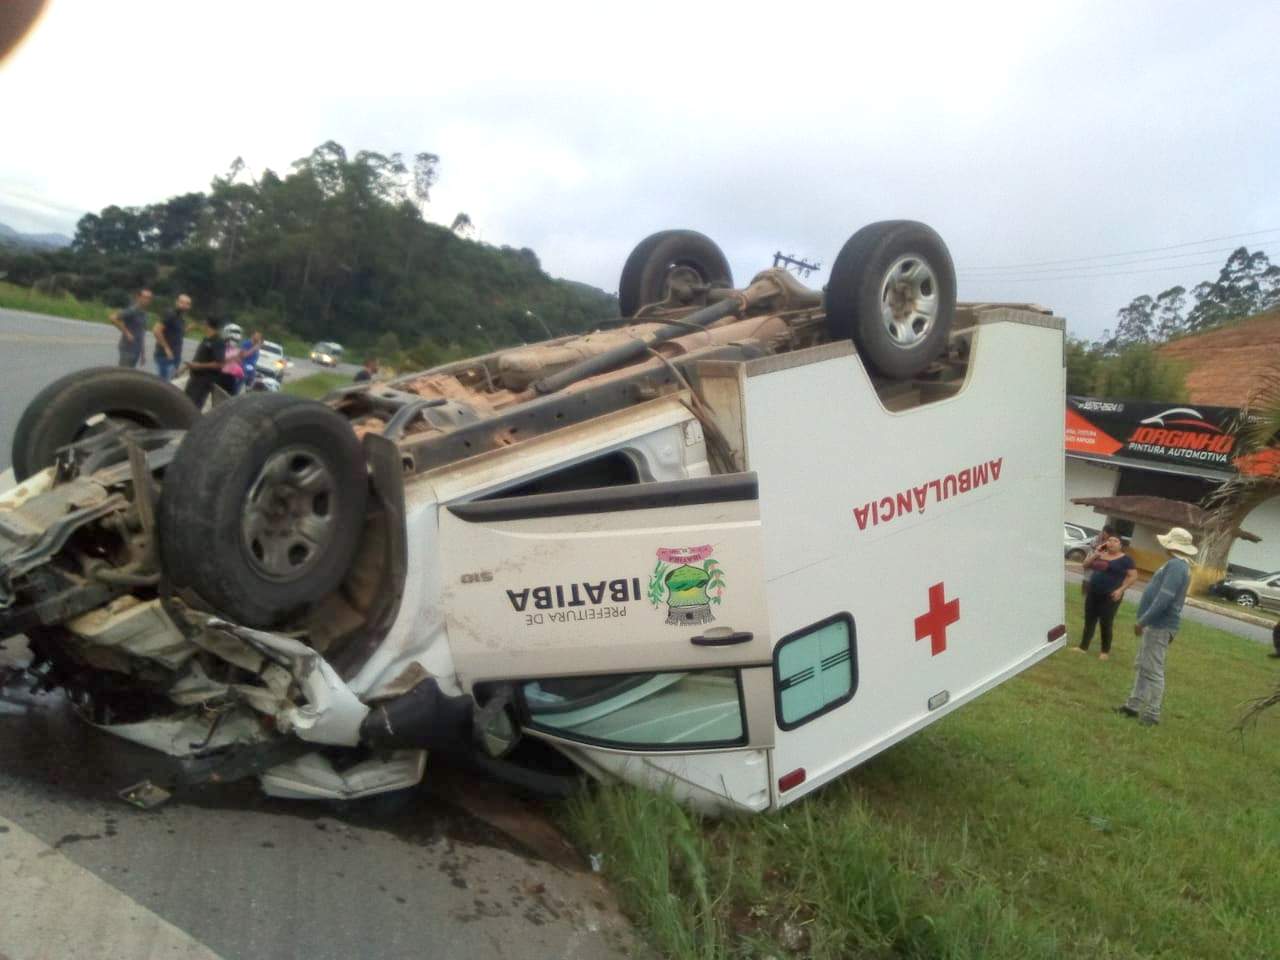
221	359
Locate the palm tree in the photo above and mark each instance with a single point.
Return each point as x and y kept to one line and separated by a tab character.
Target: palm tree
1258	480
1257	459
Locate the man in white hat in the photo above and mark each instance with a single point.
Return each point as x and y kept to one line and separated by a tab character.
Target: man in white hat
1159	612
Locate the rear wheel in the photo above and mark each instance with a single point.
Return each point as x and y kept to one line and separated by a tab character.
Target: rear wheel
893	292
671	260
1076	555
1246	599
86	401
263	507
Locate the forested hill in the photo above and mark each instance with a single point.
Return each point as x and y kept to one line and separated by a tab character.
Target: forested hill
337	248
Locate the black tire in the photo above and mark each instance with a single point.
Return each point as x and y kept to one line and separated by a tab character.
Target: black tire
861	286
644	275
221	479
1076	555
58	414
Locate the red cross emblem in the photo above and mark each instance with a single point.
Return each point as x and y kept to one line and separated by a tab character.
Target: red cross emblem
940	616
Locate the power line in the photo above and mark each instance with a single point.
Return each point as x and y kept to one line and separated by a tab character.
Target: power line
1221	251
1099	276
1125	253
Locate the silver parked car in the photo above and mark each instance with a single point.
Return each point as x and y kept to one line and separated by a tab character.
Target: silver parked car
1077	541
1261	592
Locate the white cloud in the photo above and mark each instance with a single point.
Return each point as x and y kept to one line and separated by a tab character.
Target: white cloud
1023	132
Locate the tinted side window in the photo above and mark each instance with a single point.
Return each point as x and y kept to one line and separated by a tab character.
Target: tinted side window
815	670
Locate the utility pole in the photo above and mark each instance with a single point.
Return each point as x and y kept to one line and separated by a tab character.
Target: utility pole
803	267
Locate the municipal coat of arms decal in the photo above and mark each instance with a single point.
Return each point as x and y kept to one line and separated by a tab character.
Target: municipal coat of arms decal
690	581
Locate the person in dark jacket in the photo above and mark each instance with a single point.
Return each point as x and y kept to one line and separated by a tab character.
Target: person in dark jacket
1275	640
206	365
169	333
1159	613
1108	574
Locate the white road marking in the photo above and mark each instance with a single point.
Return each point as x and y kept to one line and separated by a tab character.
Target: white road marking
54	909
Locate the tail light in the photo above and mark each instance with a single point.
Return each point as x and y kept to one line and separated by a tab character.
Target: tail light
789	781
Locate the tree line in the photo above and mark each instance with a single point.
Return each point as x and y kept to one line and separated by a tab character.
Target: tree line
337	248
1126	363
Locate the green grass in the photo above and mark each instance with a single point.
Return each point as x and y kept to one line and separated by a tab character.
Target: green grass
1031	823
316	385
13	297
294	348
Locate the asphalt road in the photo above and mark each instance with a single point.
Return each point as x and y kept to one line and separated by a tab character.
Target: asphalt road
36	349
227	872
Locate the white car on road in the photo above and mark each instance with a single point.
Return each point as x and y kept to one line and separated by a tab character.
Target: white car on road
272	361
326	353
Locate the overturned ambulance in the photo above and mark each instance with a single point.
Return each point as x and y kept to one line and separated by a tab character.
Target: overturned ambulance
733	546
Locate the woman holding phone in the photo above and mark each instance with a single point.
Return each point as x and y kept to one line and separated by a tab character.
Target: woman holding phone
1108	572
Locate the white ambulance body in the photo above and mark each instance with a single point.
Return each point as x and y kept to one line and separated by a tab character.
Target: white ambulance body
870	570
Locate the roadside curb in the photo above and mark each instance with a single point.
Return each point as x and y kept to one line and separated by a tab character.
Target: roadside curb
1231	612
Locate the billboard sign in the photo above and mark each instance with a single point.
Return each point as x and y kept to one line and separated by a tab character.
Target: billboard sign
1189	434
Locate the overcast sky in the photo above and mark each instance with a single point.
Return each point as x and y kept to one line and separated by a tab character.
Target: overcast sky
1023	132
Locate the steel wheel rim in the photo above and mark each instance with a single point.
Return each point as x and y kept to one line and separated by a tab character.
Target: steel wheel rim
909	300
1244	600
289	514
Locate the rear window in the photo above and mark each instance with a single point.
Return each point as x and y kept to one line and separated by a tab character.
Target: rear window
655	711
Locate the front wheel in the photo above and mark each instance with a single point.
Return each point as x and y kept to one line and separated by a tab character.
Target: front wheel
893	292
263	507
1076	555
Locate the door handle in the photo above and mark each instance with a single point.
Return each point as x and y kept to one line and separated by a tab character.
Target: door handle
722	639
